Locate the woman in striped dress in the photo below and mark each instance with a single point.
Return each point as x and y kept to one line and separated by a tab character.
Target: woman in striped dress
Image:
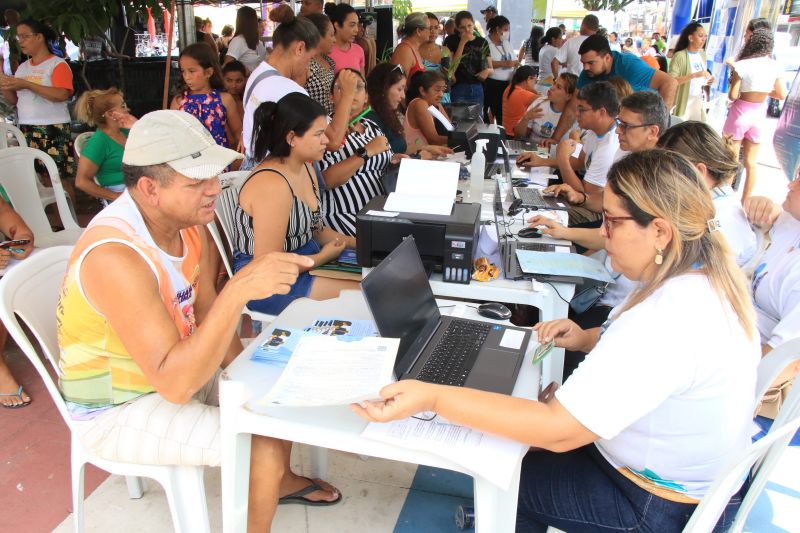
353	173
279	203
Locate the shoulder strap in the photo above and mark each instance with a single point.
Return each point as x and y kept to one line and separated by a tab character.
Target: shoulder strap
278	172
261	77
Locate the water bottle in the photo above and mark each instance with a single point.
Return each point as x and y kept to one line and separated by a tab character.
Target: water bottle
477	171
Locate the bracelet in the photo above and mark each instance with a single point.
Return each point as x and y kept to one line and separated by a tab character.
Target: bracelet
585	197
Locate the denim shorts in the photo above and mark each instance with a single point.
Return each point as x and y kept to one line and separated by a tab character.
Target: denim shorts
277	303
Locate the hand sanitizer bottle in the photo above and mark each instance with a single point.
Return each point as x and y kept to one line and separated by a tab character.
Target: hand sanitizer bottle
477	171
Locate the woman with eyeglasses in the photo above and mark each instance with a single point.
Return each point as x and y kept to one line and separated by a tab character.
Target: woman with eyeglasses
659	408
386	89
100	165
353	173
40	88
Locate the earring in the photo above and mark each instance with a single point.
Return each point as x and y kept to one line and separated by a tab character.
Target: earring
659	256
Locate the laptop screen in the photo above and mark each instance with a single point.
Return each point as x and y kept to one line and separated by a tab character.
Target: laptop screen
402	303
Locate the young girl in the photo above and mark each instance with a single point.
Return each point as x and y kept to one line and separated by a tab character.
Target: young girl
346	53
518	96
201	95
754	77
279	204
542	116
234	76
425	90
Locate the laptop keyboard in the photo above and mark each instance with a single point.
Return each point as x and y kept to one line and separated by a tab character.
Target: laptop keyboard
516	145
529	196
492	169
455	354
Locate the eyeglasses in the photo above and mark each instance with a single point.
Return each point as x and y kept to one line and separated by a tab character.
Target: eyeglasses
608	220
359	87
624	126
25	36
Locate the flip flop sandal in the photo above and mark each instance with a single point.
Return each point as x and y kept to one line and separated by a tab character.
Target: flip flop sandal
299	496
17	394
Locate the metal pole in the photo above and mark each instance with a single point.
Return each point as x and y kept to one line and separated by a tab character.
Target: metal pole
185	21
168	67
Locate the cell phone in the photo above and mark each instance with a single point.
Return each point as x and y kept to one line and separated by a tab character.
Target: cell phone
10	244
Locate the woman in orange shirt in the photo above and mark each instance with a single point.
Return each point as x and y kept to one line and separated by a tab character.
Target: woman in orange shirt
518	96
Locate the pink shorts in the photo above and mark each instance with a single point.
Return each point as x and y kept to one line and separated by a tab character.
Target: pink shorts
744	120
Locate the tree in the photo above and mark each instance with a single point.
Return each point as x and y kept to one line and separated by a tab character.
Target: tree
603	5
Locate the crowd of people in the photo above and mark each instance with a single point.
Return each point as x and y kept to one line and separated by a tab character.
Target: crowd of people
319	122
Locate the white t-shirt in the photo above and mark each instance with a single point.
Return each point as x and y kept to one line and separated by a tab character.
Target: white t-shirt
502	52
270	89
600	152
734	224
37	110
697	65
758	74
568	53
543	127
776	284
670	387
250	58
546	55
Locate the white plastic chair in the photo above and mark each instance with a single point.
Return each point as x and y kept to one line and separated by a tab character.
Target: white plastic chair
233	178
45	193
18	178
224	210
80	142
32	294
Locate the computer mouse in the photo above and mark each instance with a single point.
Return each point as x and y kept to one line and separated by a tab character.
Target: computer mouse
529	233
494	310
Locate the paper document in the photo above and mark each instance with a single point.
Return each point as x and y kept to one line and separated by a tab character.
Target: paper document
490	457
441	118
427	187
573	265
327	370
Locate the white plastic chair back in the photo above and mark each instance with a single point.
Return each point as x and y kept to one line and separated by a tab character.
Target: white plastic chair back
233	178
761	457
80	142
225	209
8	131
18	178
31	293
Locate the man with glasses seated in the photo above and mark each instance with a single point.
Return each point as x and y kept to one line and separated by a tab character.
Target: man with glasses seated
597	106
143	344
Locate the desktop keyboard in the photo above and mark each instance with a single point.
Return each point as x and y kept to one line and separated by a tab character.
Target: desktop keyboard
535	247
529	196
455	354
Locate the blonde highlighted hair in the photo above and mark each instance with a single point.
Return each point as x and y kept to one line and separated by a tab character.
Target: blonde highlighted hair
92	106
662	184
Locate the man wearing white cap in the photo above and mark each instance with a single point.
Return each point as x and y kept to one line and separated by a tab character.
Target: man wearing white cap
143	333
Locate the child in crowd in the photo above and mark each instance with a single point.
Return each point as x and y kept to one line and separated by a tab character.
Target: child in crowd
234	76
200	94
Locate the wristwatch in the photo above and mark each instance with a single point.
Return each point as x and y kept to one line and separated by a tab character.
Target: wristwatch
362	153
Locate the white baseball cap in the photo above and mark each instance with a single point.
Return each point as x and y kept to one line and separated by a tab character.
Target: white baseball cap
179	140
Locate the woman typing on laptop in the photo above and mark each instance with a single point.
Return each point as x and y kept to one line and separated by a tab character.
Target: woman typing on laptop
636	436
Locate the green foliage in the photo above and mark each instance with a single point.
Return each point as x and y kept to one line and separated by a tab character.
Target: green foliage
610	5
400	9
83	18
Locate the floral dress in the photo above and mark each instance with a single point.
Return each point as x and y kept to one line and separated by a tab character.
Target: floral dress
208	109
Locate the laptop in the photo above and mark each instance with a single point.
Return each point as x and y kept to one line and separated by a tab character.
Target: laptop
436	348
509	245
517	146
533	198
492	167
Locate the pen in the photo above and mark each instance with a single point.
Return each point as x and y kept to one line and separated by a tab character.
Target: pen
361	115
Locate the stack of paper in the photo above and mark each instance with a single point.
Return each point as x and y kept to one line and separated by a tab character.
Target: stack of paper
572	265
427	187
326	370
490	457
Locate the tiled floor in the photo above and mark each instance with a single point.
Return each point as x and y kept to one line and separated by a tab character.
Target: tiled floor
35	493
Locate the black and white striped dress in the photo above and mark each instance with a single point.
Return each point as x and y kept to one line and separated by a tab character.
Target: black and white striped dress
341	204
302	220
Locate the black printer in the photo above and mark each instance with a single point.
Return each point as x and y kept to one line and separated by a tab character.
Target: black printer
446	242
